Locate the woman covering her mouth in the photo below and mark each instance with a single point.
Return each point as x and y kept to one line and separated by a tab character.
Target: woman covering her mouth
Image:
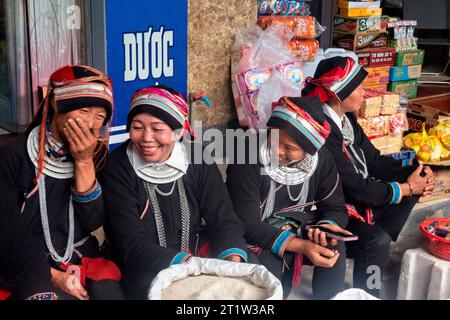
162	208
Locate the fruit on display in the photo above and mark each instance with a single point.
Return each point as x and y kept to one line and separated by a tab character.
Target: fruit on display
433	146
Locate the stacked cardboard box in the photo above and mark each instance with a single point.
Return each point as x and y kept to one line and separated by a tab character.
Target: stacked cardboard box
408	59
366	35
381	120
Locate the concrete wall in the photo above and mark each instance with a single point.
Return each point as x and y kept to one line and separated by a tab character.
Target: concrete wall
211	30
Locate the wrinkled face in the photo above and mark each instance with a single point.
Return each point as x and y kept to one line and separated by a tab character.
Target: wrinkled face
354	101
94	117
288	149
152	137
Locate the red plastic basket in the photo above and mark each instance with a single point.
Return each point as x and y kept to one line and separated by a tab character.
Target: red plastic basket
437	246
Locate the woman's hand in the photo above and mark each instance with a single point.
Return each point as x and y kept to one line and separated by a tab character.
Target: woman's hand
82	142
421	185
69	284
320	238
318	255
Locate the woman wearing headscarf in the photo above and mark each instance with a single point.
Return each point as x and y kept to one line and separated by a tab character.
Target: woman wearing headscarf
295	178
51	173
380	193
162	206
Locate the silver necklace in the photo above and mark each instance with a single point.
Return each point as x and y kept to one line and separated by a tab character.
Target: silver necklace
166	194
151	190
46	227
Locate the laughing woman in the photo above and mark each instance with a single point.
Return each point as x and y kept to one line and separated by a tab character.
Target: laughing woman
51	173
292	178
158	201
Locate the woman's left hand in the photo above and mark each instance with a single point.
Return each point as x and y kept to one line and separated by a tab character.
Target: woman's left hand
319	237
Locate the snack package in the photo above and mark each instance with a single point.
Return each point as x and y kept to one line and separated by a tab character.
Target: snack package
402	29
359	24
377	75
387	109
303	27
360	40
304	50
372	97
368	111
403	44
375	126
398	123
384	97
283	7
388	144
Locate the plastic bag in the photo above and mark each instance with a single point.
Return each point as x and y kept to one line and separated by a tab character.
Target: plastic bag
272	90
269	50
257	274
354	294
303	27
244	40
283	7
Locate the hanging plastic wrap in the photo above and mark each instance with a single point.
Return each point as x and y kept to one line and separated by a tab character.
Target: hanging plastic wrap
305	27
260	59
283	7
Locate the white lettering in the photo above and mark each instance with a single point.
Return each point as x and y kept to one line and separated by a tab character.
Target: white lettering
147	54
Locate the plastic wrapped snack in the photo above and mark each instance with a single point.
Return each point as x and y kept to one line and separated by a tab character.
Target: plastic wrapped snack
283	7
375	126
388	144
388	109
371	110
398	123
303	27
372	97
305	50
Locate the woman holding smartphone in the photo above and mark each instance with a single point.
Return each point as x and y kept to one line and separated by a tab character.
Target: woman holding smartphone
294	181
379	191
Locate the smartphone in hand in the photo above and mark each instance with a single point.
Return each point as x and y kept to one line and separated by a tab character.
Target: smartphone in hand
333	234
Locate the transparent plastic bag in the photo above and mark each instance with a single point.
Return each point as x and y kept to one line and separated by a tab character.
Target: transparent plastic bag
272	90
243	42
303	27
283	7
269	50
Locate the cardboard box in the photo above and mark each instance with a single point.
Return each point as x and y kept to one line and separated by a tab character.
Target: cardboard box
419	114
442	189
360	12
360	24
408	58
376	57
404	73
346	4
360	40
406	44
377	75
406	89
380	86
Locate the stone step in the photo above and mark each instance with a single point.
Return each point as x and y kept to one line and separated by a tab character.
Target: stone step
423	277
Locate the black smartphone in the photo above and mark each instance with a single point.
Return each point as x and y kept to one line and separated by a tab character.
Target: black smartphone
333	234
